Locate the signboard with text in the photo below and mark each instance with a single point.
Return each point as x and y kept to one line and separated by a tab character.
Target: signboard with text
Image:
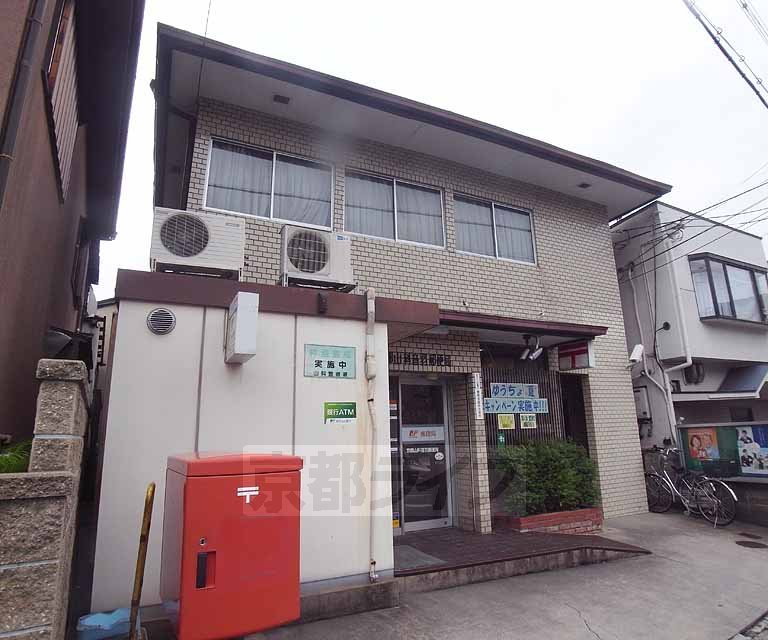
328	361
516	405
514	390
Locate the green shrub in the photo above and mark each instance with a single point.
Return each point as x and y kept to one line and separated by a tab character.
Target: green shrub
14	458
548	476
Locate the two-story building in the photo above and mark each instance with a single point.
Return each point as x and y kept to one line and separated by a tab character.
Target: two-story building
491	259
695	295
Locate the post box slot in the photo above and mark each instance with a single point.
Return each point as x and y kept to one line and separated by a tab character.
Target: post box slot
202	570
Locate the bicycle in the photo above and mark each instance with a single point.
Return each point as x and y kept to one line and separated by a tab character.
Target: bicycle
699	494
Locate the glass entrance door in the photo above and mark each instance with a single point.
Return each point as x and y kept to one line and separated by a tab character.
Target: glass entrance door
426	490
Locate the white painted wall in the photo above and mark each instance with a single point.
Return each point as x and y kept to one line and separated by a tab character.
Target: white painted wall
249	407
672	282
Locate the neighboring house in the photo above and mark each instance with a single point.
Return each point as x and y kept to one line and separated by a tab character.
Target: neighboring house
694	293
488	247
66	81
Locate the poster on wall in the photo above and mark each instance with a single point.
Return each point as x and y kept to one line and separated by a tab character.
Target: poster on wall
506	421
702	444
753	449
527	420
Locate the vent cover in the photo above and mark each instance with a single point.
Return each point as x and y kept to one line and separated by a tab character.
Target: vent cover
308	251
161	321
184	235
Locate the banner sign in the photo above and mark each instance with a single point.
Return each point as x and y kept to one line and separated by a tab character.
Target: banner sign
516	405
576	355
514	390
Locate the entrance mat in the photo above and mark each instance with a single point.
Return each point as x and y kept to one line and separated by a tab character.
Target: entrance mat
409	558
455	548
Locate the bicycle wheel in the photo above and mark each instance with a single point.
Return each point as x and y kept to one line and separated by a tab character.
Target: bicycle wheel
660	496
716	502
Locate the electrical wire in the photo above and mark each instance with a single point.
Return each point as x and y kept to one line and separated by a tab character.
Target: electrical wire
760	218
754	18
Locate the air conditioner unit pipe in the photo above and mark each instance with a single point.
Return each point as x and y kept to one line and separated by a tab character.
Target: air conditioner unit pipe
370	376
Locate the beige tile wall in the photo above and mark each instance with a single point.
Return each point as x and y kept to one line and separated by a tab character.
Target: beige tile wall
574	279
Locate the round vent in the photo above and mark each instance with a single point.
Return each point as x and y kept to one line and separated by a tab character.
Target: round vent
308	251
161	321
184	235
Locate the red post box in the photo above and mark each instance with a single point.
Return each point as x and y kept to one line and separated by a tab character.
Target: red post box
231	543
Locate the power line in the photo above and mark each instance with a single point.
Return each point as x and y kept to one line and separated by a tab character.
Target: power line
760	218
717	35
754	17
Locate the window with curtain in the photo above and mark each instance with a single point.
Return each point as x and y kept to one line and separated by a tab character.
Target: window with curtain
369	206
494	230
474	226
419	214
302	191
246	180
727	290
239	179
388	208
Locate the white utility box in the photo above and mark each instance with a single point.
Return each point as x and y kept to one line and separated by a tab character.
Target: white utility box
242	321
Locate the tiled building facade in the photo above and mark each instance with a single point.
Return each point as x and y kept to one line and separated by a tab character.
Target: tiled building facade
573	280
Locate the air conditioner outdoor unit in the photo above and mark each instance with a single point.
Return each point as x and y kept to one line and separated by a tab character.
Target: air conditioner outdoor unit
314	258
194	243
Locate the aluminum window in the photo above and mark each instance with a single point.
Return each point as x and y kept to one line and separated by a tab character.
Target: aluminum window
491	229
268	184
728	289
393	209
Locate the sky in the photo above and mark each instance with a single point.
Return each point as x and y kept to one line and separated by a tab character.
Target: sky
636	84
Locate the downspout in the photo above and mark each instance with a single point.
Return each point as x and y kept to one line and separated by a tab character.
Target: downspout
686	347
370	376
646	371
18	93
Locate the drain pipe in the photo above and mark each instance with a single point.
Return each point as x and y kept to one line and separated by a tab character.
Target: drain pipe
370	376
686	346
646	372
17	95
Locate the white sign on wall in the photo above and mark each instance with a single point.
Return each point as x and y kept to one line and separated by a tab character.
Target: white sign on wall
514	390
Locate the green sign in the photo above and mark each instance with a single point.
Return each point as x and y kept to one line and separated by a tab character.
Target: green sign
340	412
329	361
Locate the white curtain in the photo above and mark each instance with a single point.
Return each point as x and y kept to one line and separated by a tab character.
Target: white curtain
302	191
369	206
513	234
239	179
419	214
474	226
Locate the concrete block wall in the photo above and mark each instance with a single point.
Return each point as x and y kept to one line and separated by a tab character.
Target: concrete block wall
38	510
573	280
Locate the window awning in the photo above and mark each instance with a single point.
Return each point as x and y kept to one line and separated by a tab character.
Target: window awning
745	382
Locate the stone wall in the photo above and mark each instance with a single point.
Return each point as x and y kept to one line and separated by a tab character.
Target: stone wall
38	510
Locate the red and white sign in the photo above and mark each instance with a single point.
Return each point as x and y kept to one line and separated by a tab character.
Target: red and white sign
576	355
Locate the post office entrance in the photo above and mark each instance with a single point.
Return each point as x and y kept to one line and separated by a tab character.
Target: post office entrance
421	454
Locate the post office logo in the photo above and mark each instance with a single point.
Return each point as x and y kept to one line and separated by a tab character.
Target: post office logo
247	493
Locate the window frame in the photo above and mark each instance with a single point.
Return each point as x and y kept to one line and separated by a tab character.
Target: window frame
493	204
394	181
708	258
275	153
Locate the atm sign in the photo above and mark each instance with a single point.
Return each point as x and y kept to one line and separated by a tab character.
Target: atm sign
339	412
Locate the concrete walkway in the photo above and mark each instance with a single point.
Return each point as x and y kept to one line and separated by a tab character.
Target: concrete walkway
698	584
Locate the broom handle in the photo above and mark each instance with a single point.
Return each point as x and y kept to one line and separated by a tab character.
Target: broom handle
138	580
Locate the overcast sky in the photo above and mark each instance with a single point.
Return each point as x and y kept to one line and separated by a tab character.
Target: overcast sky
636	84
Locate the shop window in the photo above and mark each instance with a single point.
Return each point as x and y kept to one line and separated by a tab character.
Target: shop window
487	228
393	209
268	184
741	414
727	289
